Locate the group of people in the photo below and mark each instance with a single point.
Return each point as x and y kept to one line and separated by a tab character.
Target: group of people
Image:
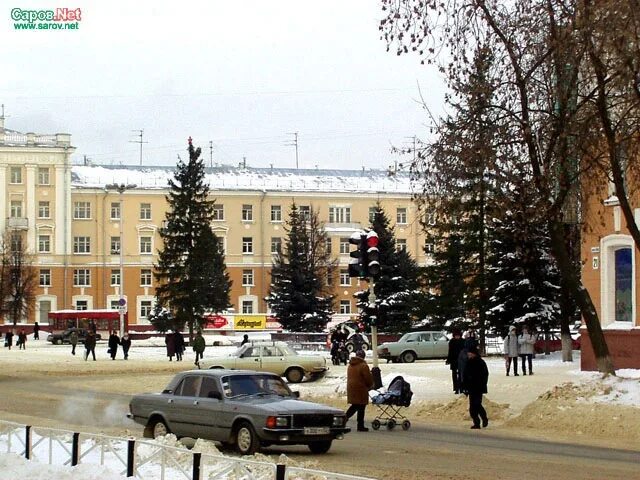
175	344
519	346
115	341
21	341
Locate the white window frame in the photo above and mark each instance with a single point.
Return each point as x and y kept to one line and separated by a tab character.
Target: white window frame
146	307
345	307
276	213
15	175
44	243
247	277
145	211
345	279
247	212
247	307
44	177
608	247
82	210
345	246
304	211
247	245
143	244
15	209
276	245
401	244
81	277
401	216
112	243
146	277
217	212
114	277
115	211
339	214
44	277
44	209
82	245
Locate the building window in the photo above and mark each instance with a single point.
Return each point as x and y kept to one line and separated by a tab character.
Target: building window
43	210
339	214
305	212
146	277
624	281
276	213
82	305
114	304
115	210
45	277
16	209
329	278
16	174
372	214
429	246
276	245
43	176
345	279
81	210
145	245
328	246
430	218
247	278
145	211
345	307
218	211
81	277
401	245
344	246
16	242
247	245
247	306
145	308
81	244
401	216
115	245
247	213
115	277
44	243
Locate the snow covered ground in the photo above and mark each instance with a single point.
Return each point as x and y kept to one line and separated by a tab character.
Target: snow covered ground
554	382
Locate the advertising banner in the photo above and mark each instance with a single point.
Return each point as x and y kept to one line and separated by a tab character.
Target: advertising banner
250	322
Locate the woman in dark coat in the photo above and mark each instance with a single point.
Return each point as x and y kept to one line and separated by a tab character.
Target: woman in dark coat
359	382
126	344
456	344
179	345
8	339
90	345
170	342
114	341
22	340
476	377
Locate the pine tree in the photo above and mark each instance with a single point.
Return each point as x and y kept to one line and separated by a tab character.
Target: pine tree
299	295
191	272
397	286
161	319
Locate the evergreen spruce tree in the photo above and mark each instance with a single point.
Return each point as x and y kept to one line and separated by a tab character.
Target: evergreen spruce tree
161	319
191	273
299	295
397	286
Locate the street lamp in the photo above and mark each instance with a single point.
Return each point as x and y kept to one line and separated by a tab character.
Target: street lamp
122	303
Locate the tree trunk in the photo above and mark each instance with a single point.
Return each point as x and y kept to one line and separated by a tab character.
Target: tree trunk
582	297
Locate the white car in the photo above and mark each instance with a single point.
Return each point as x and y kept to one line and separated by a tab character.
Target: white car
415	346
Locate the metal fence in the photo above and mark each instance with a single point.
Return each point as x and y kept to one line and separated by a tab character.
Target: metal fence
142	459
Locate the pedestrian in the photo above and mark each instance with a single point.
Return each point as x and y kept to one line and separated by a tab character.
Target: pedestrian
526	341
357	341
126	344
359	382
511	350
245	339
470	341
170	342
114	341
73	340
8	339
93	327
198	347
476	377
456	345
179	343
22	340
90	345
36	331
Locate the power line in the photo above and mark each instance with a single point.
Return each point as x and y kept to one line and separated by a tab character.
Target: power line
140	142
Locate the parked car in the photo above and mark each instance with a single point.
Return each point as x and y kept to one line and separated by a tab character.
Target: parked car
414	346
274	357
245	409
63	337
554	343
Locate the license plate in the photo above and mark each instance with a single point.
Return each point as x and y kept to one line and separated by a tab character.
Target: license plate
316	430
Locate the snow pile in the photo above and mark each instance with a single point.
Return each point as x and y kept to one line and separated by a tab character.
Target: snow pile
13	467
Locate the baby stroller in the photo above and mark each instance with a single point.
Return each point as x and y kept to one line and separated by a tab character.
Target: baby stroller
390	403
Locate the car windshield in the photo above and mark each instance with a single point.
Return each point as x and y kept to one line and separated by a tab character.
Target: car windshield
248	385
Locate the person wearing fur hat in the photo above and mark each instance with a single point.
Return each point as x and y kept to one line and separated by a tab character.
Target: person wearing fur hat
359	382
511	350
476	377
456	345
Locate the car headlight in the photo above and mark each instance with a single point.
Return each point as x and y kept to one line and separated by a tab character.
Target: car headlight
277	421
339	421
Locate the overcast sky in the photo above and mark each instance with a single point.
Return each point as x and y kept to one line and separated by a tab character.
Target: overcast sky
242	74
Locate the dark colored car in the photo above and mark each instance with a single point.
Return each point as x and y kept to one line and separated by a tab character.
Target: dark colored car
246	409
554	343
63	337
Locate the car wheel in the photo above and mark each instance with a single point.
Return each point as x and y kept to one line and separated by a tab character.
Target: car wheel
320	447
365	346
294	375
408	357
59	341
247	442
159	429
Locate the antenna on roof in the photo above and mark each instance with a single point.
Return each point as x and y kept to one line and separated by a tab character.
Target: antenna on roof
210	153
294	143
139	141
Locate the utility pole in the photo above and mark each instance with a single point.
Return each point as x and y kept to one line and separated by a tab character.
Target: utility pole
211	153
139	141
294	143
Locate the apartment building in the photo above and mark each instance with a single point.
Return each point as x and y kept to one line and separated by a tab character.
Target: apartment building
81	226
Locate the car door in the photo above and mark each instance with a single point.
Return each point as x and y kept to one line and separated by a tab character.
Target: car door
250	359
424	346
209	406
185	416
440	345
273	360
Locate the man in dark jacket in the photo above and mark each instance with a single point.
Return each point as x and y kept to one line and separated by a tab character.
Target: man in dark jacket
179	343
126	344
114	341
359	382
90	345
476	377
198	346
456	344
36	331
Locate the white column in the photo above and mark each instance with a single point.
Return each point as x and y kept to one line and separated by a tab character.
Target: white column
58	208
3	197
30	206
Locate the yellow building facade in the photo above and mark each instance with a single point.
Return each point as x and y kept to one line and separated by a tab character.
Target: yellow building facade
80	227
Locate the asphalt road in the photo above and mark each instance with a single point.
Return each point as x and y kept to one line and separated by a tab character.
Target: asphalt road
422	452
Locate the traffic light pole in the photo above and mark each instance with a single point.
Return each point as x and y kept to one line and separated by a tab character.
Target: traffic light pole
375	371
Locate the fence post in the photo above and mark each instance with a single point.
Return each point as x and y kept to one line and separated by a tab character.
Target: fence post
196	466
280	471
131	454
27	442
75	449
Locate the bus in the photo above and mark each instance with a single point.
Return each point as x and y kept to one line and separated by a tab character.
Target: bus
105	320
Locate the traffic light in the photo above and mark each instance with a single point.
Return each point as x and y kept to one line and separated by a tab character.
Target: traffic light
357	267
372	256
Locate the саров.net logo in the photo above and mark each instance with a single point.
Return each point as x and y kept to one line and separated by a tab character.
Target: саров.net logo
58	19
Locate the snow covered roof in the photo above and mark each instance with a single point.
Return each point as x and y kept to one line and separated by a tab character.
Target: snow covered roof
248	178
